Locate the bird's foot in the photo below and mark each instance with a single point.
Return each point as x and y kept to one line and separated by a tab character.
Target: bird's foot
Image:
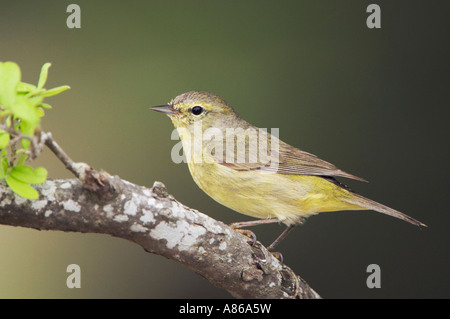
247	233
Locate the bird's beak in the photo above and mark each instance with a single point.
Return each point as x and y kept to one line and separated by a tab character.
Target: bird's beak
168	109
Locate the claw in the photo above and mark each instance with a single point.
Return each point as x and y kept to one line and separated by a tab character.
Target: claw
277	255
248	234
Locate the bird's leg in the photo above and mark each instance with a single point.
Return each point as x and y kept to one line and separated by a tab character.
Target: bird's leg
283	235
256	222
237	227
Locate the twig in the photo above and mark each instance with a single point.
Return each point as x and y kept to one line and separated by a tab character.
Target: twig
97	182
78	169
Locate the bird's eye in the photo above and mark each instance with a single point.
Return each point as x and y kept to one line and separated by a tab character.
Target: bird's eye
197	110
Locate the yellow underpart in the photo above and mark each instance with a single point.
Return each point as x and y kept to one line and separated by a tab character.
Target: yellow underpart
266	195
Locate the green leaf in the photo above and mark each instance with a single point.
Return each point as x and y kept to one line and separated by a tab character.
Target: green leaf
43	75
4	163
45	106
29	175
9	79
35	100
20	151
25	110
34	93
40	112
27	128
23	87
21	188
54	91
25	144
22	159
4	139
8	121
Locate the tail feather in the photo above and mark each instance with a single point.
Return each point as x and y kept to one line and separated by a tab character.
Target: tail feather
370	204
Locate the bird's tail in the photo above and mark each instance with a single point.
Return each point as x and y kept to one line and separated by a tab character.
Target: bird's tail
370	204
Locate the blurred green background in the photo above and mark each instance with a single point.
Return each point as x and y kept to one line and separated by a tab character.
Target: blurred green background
373	102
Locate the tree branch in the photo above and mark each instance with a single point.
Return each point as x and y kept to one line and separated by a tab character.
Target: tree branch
153	219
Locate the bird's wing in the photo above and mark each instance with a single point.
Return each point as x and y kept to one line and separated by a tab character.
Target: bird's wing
283	159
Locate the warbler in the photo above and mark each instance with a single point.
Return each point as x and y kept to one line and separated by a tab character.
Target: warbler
269	179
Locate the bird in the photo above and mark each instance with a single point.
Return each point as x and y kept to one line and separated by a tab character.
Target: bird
268	179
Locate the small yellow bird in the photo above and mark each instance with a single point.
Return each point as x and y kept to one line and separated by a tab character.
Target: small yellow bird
253	172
